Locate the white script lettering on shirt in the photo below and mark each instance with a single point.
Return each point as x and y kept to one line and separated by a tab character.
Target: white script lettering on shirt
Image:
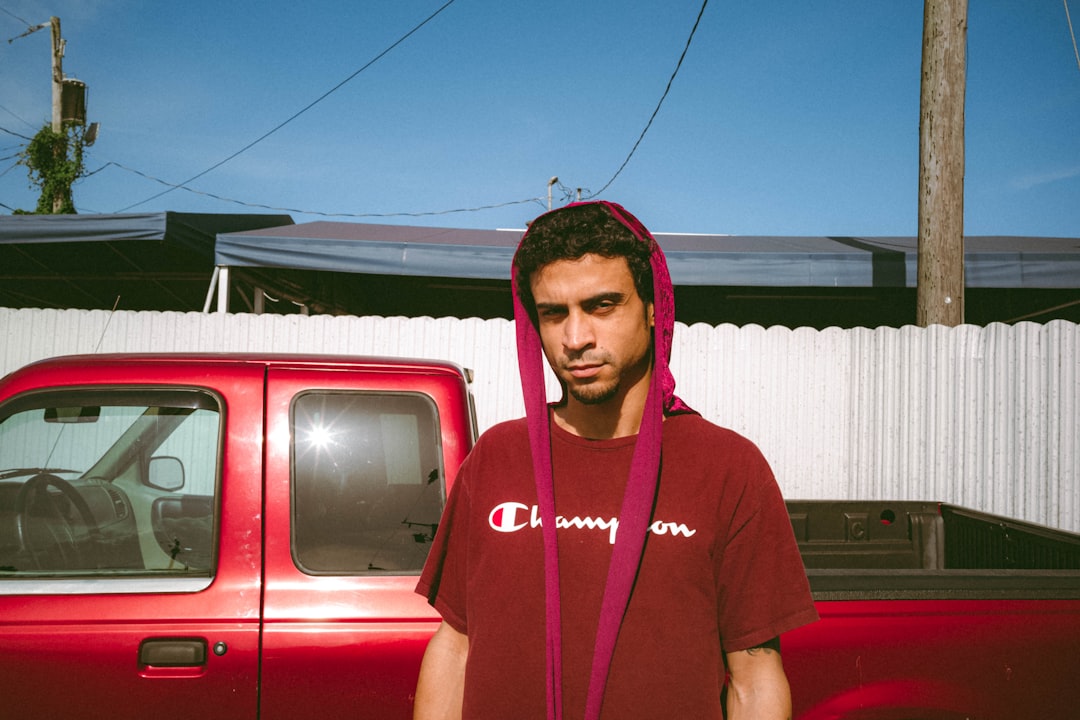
511	517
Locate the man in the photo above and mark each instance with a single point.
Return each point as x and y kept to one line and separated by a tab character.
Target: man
612	555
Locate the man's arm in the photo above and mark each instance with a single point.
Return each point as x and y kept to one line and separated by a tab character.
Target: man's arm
441	686
757	686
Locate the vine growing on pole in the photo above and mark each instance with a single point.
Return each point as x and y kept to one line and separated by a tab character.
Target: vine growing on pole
54	161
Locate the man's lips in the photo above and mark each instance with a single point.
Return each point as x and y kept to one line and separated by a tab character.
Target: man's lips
584	371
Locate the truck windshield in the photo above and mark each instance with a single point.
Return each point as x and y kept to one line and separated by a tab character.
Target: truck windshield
108	482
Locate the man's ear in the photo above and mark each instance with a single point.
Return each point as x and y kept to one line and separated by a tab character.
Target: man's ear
650	312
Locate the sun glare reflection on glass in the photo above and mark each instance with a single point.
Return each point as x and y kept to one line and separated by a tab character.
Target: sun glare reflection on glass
319	437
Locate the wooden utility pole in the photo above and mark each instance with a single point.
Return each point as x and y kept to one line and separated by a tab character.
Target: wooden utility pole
941	164
57	93
57	75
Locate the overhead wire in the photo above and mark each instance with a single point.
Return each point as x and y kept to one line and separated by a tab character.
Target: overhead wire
18	135
567	192
658	105
310	212
24	121
310	105
8	12
12	114
1071	33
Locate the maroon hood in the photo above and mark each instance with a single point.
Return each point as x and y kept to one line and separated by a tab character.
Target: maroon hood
641	485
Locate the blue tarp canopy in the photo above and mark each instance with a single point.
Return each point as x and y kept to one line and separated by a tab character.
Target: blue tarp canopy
694	260
136	261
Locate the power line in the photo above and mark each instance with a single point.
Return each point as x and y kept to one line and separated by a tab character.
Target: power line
298	211
8	12
318	100
20	119
1071	33
12	132
657	110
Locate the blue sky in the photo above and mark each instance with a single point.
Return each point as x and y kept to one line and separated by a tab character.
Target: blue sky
786	118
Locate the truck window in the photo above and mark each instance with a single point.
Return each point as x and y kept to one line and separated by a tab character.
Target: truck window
77	484
367	482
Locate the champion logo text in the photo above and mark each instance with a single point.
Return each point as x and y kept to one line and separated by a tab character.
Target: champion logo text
511	517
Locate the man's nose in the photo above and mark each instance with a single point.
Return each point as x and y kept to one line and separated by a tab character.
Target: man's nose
578	331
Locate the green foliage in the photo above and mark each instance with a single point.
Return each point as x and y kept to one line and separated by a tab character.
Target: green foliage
54	161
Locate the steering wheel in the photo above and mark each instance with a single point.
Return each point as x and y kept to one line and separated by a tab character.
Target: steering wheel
52	530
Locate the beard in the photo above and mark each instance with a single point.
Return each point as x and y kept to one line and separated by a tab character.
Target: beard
595	393
602	389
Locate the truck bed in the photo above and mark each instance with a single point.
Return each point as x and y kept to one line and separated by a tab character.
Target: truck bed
927	550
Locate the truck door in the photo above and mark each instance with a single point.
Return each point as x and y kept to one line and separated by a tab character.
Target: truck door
356	480
129	552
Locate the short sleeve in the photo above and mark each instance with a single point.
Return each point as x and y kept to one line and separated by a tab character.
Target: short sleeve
443	579
761	580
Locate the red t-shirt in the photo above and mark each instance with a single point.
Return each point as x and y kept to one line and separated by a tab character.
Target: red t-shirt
720	572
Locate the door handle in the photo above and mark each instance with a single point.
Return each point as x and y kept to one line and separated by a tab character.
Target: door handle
173	652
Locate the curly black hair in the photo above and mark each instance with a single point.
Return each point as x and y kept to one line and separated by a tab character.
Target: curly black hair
573	232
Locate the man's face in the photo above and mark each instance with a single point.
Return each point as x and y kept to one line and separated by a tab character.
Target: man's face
595	328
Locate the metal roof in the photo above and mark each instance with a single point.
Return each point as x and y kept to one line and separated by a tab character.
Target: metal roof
711	260
136	261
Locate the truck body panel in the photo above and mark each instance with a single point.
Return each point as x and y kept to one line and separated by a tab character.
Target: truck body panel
239	536
350	637
935	659
933	611
118	646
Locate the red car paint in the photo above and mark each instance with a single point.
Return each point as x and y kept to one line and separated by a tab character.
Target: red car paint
936	660
271	628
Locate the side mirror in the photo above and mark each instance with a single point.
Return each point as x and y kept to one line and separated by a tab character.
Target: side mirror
165	473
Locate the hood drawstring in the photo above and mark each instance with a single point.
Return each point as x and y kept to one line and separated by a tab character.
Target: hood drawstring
639	496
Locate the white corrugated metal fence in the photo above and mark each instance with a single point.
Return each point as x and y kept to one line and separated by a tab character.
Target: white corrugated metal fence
980	416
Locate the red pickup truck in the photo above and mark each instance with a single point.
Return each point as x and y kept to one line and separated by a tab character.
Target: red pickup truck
238	536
